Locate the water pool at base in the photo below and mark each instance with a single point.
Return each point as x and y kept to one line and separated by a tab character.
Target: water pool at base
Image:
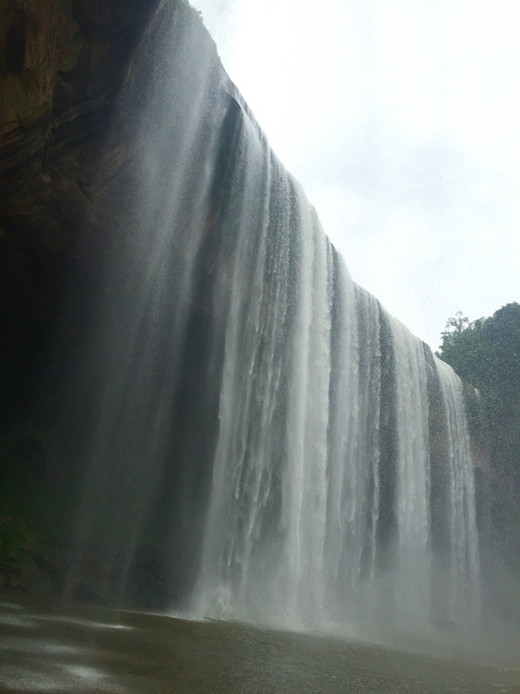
95	650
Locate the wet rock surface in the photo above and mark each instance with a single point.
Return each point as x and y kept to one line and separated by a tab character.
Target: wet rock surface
62	66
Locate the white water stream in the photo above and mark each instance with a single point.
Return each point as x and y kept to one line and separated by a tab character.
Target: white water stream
319	510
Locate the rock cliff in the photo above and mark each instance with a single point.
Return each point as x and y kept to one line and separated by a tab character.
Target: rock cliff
66	170
62	65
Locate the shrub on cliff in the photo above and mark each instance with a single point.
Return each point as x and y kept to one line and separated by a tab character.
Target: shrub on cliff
486	353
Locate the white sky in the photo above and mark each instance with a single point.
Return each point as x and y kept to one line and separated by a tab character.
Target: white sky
401	120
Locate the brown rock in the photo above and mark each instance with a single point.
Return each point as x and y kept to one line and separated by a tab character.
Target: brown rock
62	65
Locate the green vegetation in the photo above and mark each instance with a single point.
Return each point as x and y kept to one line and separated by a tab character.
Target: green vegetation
486	353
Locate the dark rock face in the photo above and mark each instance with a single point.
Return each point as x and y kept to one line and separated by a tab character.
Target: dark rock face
62	65
61	68
64	177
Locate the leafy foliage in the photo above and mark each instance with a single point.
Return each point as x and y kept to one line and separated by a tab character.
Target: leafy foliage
486	353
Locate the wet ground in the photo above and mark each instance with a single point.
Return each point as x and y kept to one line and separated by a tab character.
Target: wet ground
97	650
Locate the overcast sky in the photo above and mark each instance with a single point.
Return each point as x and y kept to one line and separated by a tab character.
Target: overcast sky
401	120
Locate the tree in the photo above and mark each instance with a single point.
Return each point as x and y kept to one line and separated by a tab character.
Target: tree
486	353
464	349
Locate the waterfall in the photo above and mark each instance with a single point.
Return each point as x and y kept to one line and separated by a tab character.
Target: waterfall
262	420
464	587
412	473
